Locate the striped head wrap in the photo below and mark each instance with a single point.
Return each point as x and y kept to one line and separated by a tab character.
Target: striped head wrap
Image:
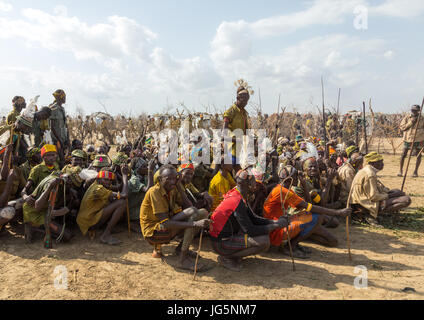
351	150
59	94
106	175
48	148
373	157
185	166
79	154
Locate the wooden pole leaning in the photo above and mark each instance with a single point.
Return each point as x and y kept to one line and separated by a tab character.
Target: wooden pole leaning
198	254
347	225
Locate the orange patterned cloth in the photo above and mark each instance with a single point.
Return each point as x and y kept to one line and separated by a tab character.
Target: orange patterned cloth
273	210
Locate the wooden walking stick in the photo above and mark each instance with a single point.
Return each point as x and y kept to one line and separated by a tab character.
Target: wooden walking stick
323	119
198	254
412	146
365	128
338	102
11	142
48	217
347	225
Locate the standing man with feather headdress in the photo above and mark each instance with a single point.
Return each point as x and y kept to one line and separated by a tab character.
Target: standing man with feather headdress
238	118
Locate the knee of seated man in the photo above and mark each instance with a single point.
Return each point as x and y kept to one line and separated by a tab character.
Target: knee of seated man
202	214
7	213
262	241
197	214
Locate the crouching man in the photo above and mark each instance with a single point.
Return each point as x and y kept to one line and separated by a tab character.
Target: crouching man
166	212
237	232
101	206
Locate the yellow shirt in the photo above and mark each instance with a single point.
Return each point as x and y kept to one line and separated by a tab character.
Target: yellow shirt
156	201
90	213
238	119
219	186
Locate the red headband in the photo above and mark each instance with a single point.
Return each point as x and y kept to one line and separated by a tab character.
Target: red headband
186	166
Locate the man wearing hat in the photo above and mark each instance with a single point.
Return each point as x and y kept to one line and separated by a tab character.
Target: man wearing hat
78	159
407	126
40	172
100	161
369	193
101	206
33	157
58	123
35	211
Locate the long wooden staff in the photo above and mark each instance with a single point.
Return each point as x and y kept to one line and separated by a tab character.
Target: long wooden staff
365	129
11	142
277	126
412	147
198	254
128	218
338	103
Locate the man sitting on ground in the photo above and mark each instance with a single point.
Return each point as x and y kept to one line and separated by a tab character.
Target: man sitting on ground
199	200
346	173
370	194
101	205
36	209
166	213
307	220
38	173
237	232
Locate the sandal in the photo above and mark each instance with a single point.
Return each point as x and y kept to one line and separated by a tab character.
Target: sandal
190	253
190	266
298	254
304	249
229	264
110	241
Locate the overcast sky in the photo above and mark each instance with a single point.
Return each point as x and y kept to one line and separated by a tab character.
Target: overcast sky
140	56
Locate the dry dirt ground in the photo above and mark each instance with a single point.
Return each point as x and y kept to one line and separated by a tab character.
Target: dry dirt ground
394	258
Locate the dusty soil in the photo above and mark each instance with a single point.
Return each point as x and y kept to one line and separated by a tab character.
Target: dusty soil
394	258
